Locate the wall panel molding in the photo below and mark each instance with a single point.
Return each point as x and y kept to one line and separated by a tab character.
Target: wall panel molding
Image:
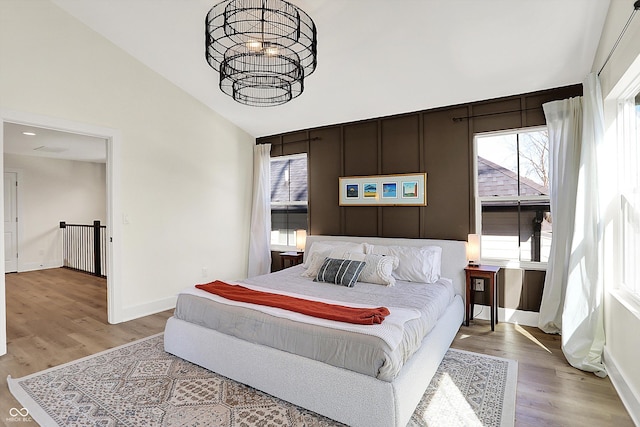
436	141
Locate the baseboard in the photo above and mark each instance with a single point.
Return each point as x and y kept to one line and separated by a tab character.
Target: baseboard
34	266
630	399
508	315
146	309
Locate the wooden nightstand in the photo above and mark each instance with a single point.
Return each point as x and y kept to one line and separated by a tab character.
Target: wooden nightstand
490	273
290	258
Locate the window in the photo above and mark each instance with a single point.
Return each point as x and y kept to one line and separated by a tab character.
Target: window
288	199
512	181
630	193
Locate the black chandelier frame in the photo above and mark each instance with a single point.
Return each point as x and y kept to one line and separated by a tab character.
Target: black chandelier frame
262	49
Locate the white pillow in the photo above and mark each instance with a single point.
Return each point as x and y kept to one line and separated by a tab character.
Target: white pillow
317	257
316	247
416	263
378	269
314	263
326	246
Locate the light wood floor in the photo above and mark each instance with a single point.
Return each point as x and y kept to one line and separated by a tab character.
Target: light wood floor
56	316
550	392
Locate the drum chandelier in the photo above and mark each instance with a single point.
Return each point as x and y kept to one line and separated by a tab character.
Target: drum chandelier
262	50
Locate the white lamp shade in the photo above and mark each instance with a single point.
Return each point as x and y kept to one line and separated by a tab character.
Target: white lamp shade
301	239
473	248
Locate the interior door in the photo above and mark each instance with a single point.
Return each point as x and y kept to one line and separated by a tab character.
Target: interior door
10	222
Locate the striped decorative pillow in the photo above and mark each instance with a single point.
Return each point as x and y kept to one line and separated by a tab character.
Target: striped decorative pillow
343	272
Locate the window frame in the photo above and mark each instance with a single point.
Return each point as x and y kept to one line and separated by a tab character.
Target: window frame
278	247
626	135
528	265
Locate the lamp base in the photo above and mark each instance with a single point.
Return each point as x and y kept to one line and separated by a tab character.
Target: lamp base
473	264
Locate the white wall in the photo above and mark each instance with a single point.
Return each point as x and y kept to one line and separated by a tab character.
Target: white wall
50	191
184	172
622	320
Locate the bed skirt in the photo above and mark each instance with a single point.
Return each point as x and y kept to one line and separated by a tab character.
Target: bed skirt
345	396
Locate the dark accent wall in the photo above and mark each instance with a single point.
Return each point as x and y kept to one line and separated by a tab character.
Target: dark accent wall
437	141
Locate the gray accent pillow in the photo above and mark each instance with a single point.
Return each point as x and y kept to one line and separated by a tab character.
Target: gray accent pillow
343	272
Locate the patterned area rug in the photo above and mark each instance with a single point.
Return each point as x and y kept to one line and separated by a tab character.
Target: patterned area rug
139	384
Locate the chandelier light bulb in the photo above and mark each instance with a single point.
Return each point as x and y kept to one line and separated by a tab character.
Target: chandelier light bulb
271	51
254	45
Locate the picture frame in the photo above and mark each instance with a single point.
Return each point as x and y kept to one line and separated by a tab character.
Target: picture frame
370	189
389	190
383	190
352	191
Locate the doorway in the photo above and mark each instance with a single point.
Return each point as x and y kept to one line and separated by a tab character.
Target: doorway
62	178
112	140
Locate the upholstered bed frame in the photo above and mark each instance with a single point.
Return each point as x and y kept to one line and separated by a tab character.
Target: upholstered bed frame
346	396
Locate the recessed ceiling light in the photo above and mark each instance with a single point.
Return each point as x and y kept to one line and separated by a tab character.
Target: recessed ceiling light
29	133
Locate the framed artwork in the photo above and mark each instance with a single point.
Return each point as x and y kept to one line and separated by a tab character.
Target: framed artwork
410	190
370	189
389	190
384	190
352	191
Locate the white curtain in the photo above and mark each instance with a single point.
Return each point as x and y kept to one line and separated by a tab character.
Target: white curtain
582	318
572	301
260	238
564	124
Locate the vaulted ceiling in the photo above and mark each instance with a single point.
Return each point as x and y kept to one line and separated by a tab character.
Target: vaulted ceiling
375	57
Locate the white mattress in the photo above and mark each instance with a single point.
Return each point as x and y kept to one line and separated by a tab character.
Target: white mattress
333	345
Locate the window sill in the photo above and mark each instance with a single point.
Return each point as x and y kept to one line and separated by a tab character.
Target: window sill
283	248
629	301
522	265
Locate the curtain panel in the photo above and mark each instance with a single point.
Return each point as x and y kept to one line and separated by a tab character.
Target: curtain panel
260	235
572	300
564	124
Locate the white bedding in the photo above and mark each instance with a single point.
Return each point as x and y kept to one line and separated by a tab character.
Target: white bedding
415	309
430	300
390	330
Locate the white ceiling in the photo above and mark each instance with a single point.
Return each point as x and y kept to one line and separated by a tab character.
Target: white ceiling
53	144
375	57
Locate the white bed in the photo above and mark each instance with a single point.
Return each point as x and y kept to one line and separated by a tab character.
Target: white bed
341	394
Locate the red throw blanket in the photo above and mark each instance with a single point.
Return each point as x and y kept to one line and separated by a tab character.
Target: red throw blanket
341	313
